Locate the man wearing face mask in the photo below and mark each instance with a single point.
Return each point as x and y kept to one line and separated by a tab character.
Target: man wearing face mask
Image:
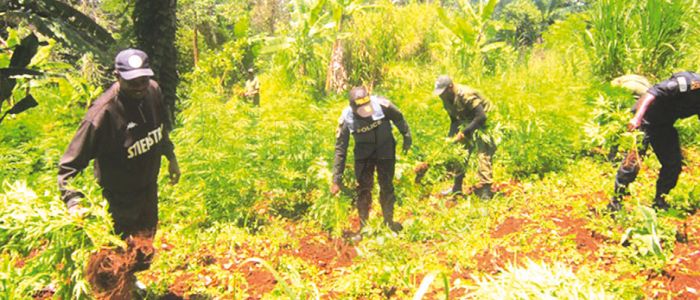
368	119
126	132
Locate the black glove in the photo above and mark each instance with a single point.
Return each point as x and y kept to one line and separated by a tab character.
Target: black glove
407	142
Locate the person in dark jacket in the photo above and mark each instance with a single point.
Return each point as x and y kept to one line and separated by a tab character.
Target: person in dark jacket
125	131
368	119
467	109
658	109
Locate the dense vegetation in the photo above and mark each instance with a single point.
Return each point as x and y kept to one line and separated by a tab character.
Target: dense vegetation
252	215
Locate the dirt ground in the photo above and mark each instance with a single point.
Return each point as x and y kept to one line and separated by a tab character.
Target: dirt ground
319	250
680	279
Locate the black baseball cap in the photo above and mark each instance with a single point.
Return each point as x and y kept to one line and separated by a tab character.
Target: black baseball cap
132	63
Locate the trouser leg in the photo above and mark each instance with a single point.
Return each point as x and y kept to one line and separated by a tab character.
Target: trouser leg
135	214
256	100
387	198
364	173
666	145
458	181
484	157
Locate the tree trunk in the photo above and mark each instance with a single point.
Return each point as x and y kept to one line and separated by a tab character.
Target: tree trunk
155	25
337	75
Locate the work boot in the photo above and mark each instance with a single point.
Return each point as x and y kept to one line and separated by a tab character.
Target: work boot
394	226
388	214
620	191
456	189
660	203
484	192
615	205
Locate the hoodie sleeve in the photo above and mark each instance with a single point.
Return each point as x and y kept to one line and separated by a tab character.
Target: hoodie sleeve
81	150
342	139
677	84
168	146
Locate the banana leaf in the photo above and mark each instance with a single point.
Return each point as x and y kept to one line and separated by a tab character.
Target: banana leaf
26	103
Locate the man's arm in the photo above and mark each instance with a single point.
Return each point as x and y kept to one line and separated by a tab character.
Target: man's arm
80	151
454	127
644	104
168	146
342	140
395	115
478	121
674	86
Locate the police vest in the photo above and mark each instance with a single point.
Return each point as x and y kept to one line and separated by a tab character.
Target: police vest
373	136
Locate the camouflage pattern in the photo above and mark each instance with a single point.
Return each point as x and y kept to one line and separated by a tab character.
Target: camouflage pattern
462	112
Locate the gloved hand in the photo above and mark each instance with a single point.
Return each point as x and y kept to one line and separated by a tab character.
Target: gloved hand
407	142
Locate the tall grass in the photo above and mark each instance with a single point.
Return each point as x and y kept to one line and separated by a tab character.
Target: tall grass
609	37
406	33
661	36
645	37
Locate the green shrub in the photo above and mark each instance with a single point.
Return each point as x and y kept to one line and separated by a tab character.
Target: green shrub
406	33
527	20
52	246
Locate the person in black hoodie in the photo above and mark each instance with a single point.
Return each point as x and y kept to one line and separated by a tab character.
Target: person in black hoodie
125	131
368	119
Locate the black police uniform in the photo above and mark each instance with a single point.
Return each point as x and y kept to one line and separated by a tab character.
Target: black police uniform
675	98
375	148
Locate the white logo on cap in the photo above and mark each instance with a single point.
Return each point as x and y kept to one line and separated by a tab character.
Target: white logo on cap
135	61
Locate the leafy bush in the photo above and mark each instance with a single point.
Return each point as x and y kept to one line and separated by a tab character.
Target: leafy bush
611	110
527	20
289	141
474	30
304	47
537	137
48	247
